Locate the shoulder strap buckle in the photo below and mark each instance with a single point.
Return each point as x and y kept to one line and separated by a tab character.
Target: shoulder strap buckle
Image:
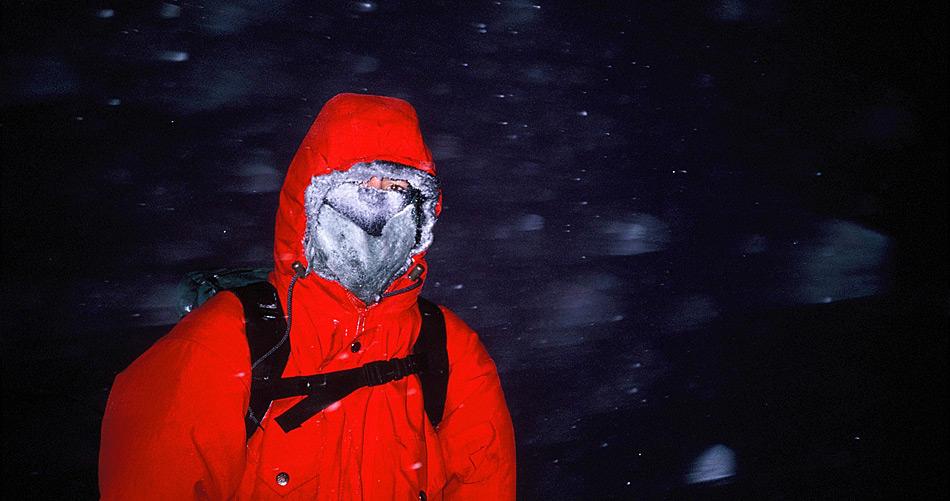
381	372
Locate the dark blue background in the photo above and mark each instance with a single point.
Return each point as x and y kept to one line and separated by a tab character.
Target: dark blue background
674	224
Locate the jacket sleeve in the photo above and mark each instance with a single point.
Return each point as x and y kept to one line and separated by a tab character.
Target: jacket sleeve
476	433
173	426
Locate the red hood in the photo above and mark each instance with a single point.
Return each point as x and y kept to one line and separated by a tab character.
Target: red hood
351	128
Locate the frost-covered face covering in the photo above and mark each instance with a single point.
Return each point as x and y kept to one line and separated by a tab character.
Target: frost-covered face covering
364	237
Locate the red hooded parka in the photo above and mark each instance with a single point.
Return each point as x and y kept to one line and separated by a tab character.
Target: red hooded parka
174	423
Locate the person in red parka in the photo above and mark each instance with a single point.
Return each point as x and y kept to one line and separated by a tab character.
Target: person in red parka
174	425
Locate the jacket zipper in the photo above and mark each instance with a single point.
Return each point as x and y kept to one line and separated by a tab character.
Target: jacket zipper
360	324
362	313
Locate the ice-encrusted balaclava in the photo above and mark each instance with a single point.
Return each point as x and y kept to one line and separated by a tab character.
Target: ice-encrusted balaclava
364	237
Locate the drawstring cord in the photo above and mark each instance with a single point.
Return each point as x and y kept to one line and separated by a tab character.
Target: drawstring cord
414	275
300	273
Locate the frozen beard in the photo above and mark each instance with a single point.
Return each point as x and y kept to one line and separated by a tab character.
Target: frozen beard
362	237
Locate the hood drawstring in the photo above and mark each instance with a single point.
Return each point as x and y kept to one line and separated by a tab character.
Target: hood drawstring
300	272
414	275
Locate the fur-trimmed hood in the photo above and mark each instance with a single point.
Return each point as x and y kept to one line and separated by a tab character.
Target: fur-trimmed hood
351	132
372	242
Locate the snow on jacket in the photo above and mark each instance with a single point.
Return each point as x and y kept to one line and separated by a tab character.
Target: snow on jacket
174	423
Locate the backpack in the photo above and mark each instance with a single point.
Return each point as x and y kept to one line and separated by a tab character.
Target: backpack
265	329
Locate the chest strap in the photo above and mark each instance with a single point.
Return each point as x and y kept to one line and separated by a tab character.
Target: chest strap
322	390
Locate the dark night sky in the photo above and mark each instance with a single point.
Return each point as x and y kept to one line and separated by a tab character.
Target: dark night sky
686	224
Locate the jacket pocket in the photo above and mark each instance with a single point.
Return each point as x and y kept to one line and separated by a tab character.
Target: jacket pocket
409	459
470	455
285	462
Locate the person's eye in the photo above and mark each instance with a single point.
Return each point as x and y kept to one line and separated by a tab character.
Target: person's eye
398	187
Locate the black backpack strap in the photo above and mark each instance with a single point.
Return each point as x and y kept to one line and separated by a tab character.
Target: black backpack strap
322	390
431	342
265	326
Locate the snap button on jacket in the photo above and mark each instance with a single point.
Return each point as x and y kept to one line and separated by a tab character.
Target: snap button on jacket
174	423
